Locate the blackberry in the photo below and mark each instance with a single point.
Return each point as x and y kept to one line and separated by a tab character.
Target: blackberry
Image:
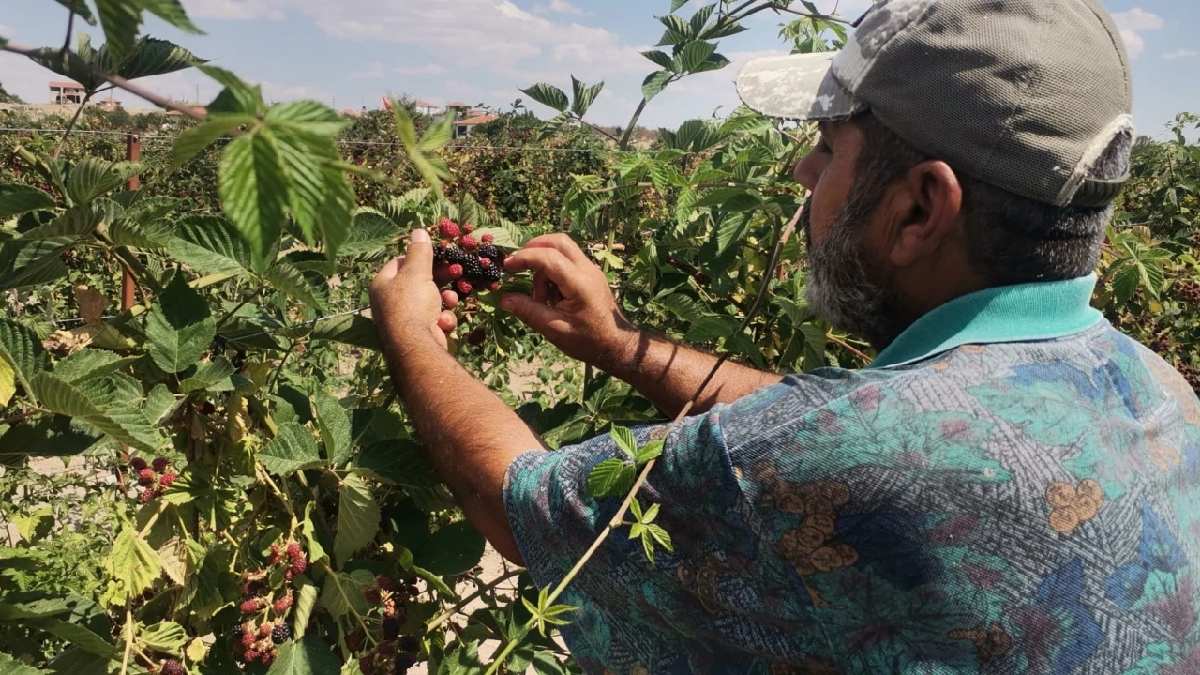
491	251
457	255
281	634
473	269
172	667
441	252
493	273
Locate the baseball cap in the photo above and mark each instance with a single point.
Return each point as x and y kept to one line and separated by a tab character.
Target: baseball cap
1025	95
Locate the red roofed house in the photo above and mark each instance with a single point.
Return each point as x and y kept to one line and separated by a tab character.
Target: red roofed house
65	92
471	119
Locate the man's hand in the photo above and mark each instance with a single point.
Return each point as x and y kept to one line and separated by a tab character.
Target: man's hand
405	302
571	303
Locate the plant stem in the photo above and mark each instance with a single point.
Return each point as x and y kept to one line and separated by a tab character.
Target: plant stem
70	125
128	638
627	135
70	27
446	615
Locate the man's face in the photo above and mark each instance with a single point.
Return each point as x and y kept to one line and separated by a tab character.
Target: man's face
849	285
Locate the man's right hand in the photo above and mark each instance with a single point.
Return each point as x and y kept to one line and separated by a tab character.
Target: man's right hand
571	302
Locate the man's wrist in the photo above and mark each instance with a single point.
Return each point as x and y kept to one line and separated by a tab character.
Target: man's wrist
621	356
404	344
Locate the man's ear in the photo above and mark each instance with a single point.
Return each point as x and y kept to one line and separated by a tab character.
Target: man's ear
933	197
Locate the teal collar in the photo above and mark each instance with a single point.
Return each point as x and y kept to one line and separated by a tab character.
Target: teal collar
1028	312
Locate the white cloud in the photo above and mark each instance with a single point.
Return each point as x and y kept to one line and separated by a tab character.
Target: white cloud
1132	24
5	30
235	9
1181	54
428	69
564	7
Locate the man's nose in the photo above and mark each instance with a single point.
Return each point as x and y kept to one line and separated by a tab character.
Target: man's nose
805	172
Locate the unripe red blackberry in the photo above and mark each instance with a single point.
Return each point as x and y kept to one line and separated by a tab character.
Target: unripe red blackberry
247	639
449	299
494	286
166	479
147	496
265	629
172	667
488	238
266	658
294	551
468	228
147	476
298	566
468	242
137	464
485	263
250	656
463	287
448	229
276	554
282	604
251	606
160	464
456	270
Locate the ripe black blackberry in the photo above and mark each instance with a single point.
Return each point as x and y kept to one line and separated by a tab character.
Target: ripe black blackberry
491	251
172	667
472	268
281	633
457	255
441	252
493	273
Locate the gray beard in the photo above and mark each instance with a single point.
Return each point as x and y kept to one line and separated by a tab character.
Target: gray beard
839	288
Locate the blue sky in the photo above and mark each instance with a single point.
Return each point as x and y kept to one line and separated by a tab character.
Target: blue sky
352	52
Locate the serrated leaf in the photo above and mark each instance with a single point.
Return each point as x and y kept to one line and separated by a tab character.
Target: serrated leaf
80	636
660	58
342	592
213	376
625	440
16	199
655	82
179	328
253	193
306	600
164	636
121	21
292	449
24	264
10	666
285	277
90	363
334	424
358	517
192	141
370	233
152	56
548	95
124	423
583	96
437	135
693	55
677	30
611	478
649	451
237	97
396	461
211	245
91	177
22	351
51	435
132	566
8	383
305	657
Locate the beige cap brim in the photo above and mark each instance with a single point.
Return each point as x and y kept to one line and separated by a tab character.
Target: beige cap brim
799	87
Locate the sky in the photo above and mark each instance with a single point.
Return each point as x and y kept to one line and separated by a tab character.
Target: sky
351	53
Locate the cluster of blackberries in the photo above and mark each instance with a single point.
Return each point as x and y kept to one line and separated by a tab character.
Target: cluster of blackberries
154	478
463	264
395	653
265	628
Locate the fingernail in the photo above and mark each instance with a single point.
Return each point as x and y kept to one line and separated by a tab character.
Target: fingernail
420	235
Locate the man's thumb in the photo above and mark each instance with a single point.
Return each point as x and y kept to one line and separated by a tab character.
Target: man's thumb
419	256
536	315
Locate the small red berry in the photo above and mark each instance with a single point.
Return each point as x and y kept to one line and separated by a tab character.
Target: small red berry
166	479
294	551
147	496
265	630
251	606
137	464
172	667
468	242
448	229
248	638
283	603
276	554
449	299
160	464
485	263
468	228
456	271
488	238
298	566
267	657
147	476
494	286
251	656
464	287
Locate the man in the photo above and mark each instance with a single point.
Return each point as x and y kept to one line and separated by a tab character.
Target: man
1011	487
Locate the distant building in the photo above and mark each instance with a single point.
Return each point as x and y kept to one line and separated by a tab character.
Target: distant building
464	126
66	92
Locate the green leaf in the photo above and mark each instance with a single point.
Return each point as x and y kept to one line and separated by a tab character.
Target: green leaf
91	177
16	199
661	59
306	600
437	135
173	13
452	550
237	97
10	666
213	376
352	329
123	422
24	264
49	436
611	478
132	566
371	233
655	82
548	95
292	449
164	636
305	657
624	439
334	424
649	451
694	54
396	461
583	96
293	283
192	141
677	31
433	169
342	592
89	363
21	349
253	193
358	517
152	56
210	245
179	329
80	636
80	8
121	20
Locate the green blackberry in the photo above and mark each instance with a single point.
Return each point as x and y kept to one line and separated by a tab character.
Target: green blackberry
281	634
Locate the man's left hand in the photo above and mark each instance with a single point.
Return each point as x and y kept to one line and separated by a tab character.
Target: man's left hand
405	302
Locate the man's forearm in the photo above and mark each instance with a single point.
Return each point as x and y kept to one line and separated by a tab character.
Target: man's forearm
470	436
669	374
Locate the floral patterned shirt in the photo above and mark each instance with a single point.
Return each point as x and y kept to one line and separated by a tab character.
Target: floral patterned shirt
1013	487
